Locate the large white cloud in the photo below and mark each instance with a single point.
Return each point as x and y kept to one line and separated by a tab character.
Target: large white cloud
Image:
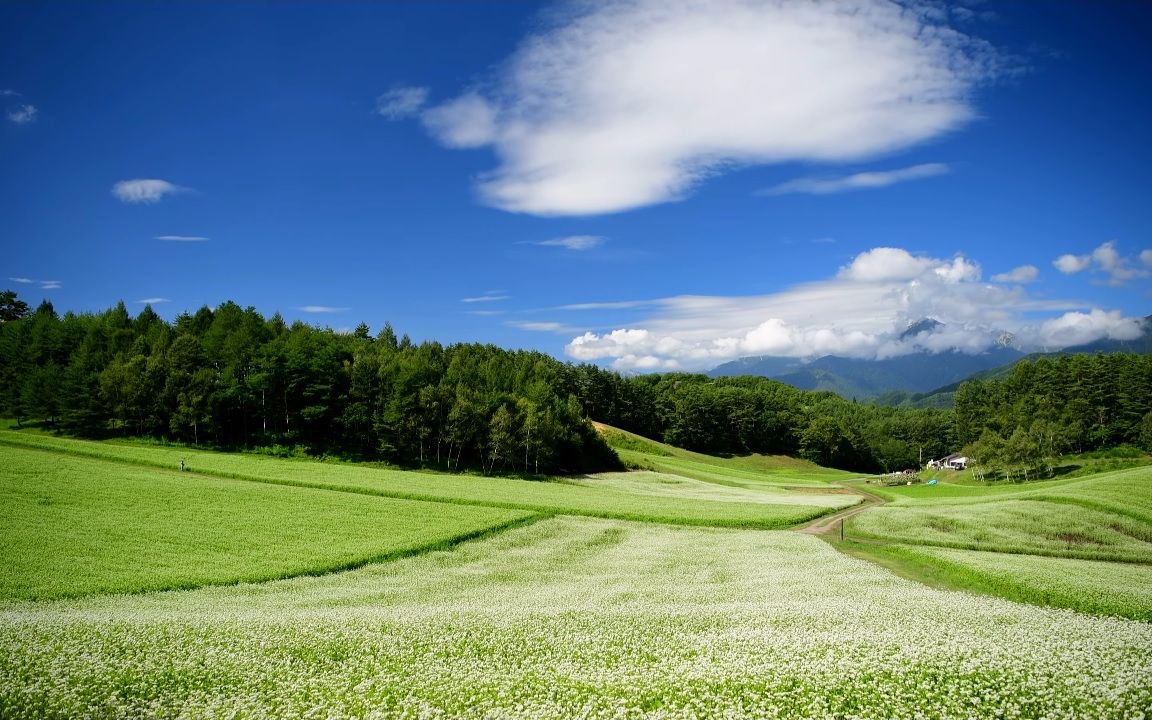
863	312
621	104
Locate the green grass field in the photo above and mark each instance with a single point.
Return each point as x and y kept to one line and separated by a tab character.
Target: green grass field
496	597
1100	588
1013	526
1107	517
1083	543
576	617
76	526
756	472
533	496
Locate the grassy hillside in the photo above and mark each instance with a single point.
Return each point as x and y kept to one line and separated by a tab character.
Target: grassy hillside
758	472
76	526
482	610
613	501
1034	542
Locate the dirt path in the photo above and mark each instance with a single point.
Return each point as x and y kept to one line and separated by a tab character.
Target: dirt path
829	524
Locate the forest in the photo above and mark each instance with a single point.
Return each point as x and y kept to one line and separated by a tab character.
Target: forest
230	378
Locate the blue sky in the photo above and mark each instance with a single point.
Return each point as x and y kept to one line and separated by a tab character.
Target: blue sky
644	185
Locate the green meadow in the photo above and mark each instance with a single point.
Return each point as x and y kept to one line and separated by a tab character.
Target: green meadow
758	472
1083	543
74	526
251	586
544	496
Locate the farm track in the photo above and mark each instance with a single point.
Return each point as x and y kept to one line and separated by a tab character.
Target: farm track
827	524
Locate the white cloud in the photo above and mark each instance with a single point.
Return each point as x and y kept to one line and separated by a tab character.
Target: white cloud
861	312
153	301
23	114
323	309
1069	264
616	305
181	238
44	284
468	121
401	102
618	105
824	186
1022	274
575	242
884	264
1106	260
9	93
552	327
486	297
1077	328
145	191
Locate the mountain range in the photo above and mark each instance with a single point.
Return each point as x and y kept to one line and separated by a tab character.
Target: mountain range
893	380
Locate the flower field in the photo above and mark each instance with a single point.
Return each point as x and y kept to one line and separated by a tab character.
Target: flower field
576	617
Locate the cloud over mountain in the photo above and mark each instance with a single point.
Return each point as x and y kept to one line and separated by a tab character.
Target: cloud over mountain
862	312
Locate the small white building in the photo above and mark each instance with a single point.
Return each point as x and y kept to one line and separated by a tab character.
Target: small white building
951	462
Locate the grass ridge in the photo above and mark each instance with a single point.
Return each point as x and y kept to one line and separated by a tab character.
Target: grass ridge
796	517
353	564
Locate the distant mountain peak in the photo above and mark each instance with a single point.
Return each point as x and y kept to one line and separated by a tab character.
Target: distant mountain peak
926	325
1006	340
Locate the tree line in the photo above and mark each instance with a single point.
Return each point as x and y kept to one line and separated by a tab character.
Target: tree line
232	378
1053	406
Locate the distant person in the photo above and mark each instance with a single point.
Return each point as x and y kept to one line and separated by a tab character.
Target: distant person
181	464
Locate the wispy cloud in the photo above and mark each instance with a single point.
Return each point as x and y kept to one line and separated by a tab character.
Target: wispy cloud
9	93
621	104
401	102
861	311
146	190
23	114
858	181
486	297
1022	274
485	313
153	301
549	327
1106	260
614	305
181	238
574	242
322	309
44	284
